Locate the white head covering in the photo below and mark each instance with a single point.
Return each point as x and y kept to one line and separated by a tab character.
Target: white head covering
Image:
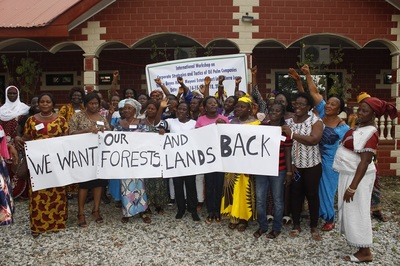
121	104
11	110
133	103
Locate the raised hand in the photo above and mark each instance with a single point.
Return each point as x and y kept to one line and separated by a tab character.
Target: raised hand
207	80
254	70
164	103
158	81
238	80
180	80
293	74
306	69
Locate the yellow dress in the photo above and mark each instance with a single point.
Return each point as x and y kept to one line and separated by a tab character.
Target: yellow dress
48	208
238	196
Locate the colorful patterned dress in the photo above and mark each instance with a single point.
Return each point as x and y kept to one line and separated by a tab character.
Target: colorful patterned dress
19	186
6	198
238	196
133	193
48	208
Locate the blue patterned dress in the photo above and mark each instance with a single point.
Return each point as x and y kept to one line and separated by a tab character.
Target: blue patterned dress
133	194
329	180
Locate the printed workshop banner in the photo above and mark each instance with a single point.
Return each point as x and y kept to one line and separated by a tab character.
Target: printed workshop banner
65	160
194	70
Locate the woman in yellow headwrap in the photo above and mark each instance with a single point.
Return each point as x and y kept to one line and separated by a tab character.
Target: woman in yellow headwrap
238	198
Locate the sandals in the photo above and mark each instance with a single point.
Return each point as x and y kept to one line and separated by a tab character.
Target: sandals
160	210
35	234
209	219
273	234
315	234
217	219
82	221
232	226
146	219
328	227
295	232
241	227
353	258
97	217
124	220
379	215
259	232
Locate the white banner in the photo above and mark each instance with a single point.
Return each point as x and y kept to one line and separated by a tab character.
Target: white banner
250	149
65	160
191	152
61	161
194	70
129	155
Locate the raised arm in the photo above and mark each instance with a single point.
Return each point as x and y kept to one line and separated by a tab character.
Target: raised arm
317	97
163	105
114	83
162	86
206	89
237	83
255	93
294	75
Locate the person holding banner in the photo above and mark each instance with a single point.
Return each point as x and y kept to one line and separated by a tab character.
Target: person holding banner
305	129
156	188
48	208
238	202
133	194
76	95
89	121
275	185
214	181
177	125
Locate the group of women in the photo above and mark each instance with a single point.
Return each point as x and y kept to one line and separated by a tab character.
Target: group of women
312	162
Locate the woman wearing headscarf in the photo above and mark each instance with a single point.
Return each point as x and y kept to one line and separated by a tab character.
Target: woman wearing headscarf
11	113
133	193
238	201
376	206
357	174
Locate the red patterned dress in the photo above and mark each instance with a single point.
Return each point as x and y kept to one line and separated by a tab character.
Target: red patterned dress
48	208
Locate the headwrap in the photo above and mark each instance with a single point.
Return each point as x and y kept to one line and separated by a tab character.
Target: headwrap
362	96
121	104
245	99
11	110
156	92
381	107
133	103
